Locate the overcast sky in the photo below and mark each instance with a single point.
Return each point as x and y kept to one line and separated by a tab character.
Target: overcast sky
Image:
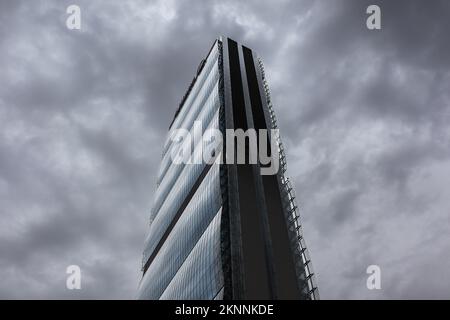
364	116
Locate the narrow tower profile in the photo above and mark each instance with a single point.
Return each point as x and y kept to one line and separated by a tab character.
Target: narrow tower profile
221	230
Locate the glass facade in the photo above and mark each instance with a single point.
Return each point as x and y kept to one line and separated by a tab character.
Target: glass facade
223	231
182	249
200	276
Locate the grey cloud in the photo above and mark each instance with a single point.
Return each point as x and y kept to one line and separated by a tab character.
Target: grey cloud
364	116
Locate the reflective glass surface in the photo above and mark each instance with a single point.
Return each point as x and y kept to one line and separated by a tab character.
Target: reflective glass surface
200	276
202	208
176	196
210	107
199	83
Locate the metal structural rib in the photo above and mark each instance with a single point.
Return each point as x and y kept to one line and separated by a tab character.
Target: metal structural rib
302	259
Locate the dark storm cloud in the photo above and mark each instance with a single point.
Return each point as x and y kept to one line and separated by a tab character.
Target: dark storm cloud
371	140
364	115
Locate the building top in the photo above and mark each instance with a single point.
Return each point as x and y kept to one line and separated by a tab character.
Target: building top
188	91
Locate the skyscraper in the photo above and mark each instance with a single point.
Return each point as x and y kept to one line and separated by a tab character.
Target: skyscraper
220	229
